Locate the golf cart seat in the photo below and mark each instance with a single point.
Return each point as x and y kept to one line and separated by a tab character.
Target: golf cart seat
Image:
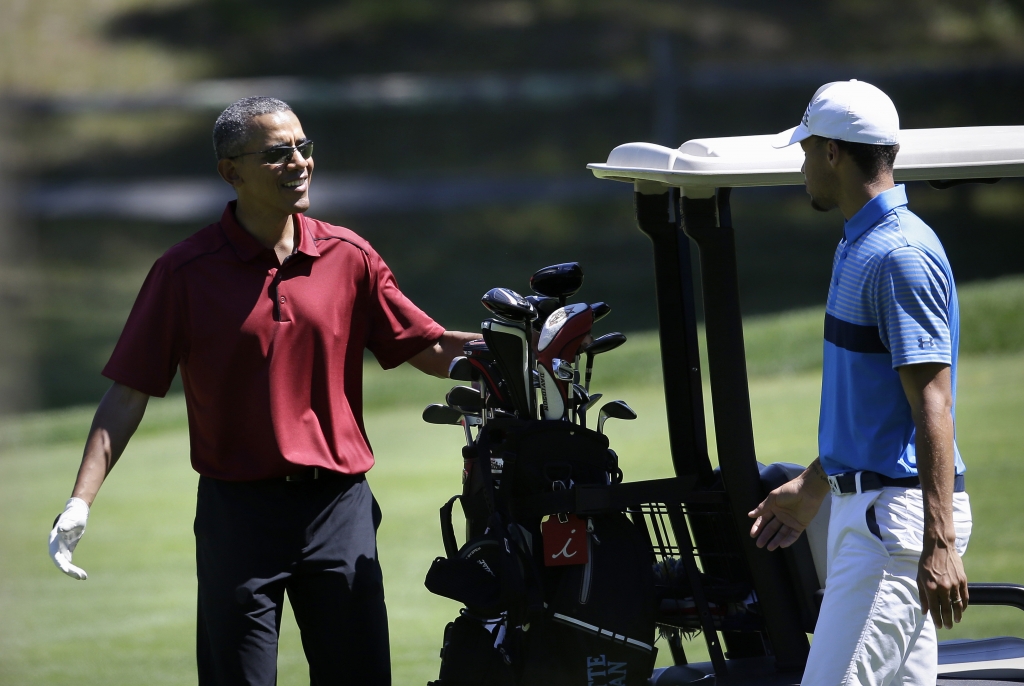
986	658
806	559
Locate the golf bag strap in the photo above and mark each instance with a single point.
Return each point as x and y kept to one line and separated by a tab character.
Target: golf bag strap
534	586
513	581
451	546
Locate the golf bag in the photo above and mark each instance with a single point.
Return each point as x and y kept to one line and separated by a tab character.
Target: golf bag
526	623
599	621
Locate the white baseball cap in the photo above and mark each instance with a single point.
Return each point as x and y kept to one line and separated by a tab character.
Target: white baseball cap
852	111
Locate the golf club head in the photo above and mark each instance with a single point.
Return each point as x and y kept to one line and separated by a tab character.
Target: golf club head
544	306
591	401
580	400
461	369
601	310
580	394
465	398
488	373
560	338
601	344
507	304
441	414
477	349
510	346
616	409
574	321
558	281
563	370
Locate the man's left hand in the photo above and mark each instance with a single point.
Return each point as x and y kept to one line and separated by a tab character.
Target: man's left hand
67	532
942	583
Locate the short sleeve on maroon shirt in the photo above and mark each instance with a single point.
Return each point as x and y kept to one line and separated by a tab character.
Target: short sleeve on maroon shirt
270	355
395	331
147	354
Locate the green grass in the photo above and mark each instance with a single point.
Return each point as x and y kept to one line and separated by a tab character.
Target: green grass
133	620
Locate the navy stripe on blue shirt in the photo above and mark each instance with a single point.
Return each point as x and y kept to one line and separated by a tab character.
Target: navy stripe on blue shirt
853	337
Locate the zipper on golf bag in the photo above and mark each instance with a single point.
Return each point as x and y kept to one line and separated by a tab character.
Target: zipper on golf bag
588	569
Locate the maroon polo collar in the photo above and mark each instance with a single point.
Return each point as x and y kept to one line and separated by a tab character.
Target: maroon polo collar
248	248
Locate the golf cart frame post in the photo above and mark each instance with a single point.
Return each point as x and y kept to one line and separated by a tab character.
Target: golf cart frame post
684	194
706	220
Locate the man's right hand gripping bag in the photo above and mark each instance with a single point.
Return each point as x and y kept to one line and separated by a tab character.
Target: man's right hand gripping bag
599	624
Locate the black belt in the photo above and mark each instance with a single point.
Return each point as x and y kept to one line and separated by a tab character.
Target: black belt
859	482
317	474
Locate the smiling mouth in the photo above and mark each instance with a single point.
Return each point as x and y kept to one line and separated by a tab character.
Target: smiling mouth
296	183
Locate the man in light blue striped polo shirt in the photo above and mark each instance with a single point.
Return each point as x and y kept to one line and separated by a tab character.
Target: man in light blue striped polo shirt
900	518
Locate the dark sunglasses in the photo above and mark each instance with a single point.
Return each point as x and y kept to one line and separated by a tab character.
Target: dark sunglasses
281	154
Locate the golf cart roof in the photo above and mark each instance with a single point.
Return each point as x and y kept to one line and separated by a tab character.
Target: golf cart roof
979	152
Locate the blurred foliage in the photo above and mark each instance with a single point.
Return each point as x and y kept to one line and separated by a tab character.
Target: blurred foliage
74	46
69	287
361	36
60	47
992	316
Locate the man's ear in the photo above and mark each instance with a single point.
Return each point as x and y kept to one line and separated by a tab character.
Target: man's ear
832	153
229	172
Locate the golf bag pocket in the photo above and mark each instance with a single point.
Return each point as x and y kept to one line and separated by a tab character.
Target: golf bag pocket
569	652
471	580
599	625
469	656
536	455
492	573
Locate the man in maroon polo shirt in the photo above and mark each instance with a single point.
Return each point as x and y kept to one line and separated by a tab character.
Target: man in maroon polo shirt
267	314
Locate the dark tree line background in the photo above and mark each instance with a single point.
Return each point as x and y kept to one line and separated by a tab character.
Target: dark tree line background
679	70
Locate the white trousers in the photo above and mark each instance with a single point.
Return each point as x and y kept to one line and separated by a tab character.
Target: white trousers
871	630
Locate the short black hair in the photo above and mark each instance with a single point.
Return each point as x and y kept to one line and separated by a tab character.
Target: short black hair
233	126
873	160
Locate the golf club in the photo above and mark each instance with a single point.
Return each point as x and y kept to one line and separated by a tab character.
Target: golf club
616	409
562	369
443	414
477	349
560	338
601	310
544	306
558	281
579	398
509	305
511	348
493	386
466	399
602	344
461	369
582	410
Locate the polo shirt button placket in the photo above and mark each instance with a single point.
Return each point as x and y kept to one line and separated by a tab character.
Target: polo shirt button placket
282	303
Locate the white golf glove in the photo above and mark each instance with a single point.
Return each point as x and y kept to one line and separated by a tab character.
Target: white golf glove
67	531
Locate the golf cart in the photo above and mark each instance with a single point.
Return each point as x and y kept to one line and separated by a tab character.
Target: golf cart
698	520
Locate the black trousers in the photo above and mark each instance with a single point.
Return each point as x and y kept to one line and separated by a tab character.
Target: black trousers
315	540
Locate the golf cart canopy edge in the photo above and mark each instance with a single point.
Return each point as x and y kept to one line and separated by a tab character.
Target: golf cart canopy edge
703	164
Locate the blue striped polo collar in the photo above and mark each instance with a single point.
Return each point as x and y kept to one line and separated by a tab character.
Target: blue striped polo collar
873	210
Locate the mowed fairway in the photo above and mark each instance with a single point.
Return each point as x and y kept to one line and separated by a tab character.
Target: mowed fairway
132	622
